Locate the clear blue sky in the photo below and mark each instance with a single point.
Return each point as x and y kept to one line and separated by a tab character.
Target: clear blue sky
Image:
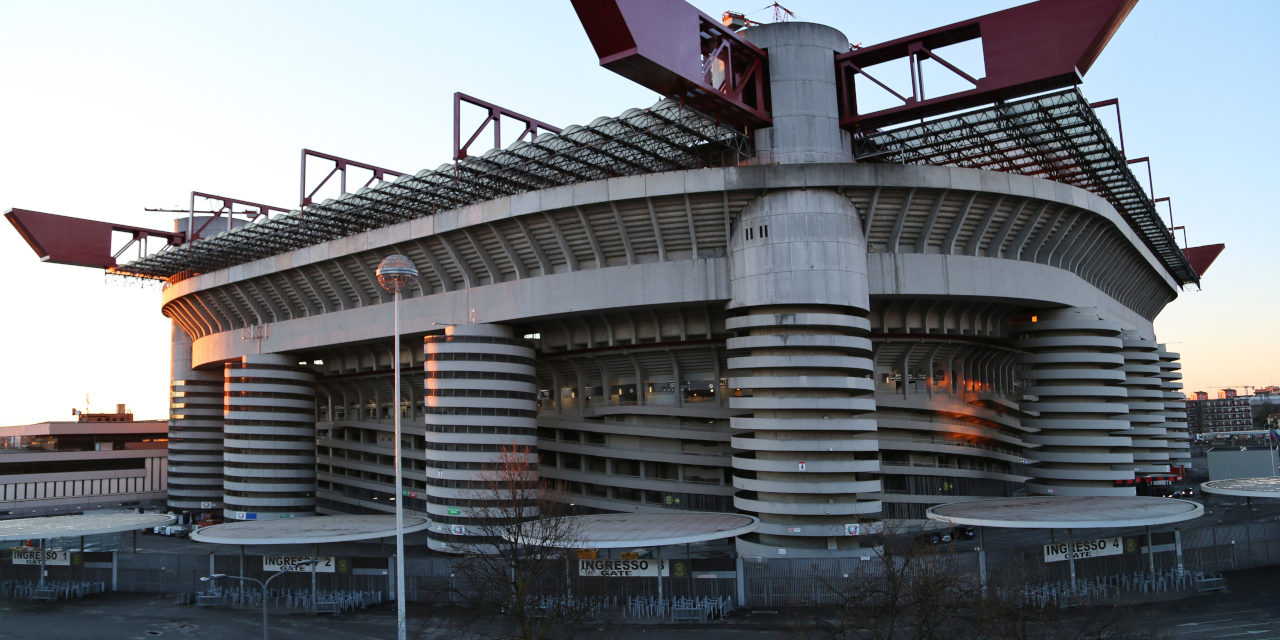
112	107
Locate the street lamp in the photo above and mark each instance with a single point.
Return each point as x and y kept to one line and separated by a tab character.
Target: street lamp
219	576
396	273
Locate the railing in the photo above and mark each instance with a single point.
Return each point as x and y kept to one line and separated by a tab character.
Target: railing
51	590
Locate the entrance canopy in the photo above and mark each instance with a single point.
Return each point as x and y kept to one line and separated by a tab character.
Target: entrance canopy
625	530
85	525
1067	512
310	530
1263	487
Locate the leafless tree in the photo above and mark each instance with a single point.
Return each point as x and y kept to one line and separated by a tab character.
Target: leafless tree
910	589
515	558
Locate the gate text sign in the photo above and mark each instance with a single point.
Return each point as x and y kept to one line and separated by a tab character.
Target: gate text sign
52	557
291	563
1057	551
623	568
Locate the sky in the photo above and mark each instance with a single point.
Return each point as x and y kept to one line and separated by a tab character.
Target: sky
107	109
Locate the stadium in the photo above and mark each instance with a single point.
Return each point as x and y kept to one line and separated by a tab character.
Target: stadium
756	295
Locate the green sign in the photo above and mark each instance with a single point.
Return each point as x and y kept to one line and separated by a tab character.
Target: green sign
454	511
404	492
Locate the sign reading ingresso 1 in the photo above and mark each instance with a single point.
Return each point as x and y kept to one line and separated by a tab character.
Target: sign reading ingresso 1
52	557
291	563
1057	551
624	568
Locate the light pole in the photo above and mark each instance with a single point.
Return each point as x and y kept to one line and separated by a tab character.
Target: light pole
396	273
219	576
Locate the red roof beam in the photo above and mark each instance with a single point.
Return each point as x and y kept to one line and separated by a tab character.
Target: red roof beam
79	242
228	205
1030	48
340	167
674	49
495	115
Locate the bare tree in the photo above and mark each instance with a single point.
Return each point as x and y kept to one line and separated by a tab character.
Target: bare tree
910	589
515	555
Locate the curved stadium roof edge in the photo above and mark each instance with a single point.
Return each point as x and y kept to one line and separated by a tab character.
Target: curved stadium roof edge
1055	136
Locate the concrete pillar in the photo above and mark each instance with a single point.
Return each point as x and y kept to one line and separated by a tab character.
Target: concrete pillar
1075	366
474	418
798	278
802	86
269	395
194	473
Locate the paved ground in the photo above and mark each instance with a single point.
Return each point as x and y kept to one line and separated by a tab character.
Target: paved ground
1246	612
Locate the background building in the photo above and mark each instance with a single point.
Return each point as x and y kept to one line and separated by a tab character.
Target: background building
750	297
1227	413
102	460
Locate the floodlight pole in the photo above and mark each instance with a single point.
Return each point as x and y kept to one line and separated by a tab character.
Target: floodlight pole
263	585
395	396
395	273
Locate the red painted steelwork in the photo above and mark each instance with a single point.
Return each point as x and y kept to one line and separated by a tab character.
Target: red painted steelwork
1030	48
1203	256
340	167
671	47
228	205
495	116
76	241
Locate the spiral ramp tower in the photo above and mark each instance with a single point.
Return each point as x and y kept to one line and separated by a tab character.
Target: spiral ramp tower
1075	372
481	431
270	439
1145	395
1177	436
195	442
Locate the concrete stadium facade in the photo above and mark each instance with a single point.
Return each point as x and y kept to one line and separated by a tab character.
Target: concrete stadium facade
808	339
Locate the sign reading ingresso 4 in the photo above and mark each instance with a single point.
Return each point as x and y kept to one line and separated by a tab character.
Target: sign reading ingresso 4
291	563
1057	551
52	557
624	568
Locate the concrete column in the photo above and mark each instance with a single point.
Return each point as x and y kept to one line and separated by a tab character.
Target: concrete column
473	417
1075	366
270	442
799	280
194	474
802	86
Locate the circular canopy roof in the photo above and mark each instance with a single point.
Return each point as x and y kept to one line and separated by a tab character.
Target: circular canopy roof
311	530
1263	487
85	525
1067	512
622	530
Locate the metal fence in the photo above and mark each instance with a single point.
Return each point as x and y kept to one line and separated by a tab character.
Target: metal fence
760	582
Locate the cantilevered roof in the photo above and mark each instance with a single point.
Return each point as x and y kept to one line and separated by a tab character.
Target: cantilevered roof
1260	487
84	525
624	530
1055	136
664	137
1067	512
312	530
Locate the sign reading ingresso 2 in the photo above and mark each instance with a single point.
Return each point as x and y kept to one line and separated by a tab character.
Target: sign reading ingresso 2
291	563
624	568
1057	551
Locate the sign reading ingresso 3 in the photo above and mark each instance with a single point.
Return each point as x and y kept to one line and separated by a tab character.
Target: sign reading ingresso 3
1057	551
624	568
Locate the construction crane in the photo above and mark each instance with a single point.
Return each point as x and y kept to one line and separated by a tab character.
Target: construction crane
1247	387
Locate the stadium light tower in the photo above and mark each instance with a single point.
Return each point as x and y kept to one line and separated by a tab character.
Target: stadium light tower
396	273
